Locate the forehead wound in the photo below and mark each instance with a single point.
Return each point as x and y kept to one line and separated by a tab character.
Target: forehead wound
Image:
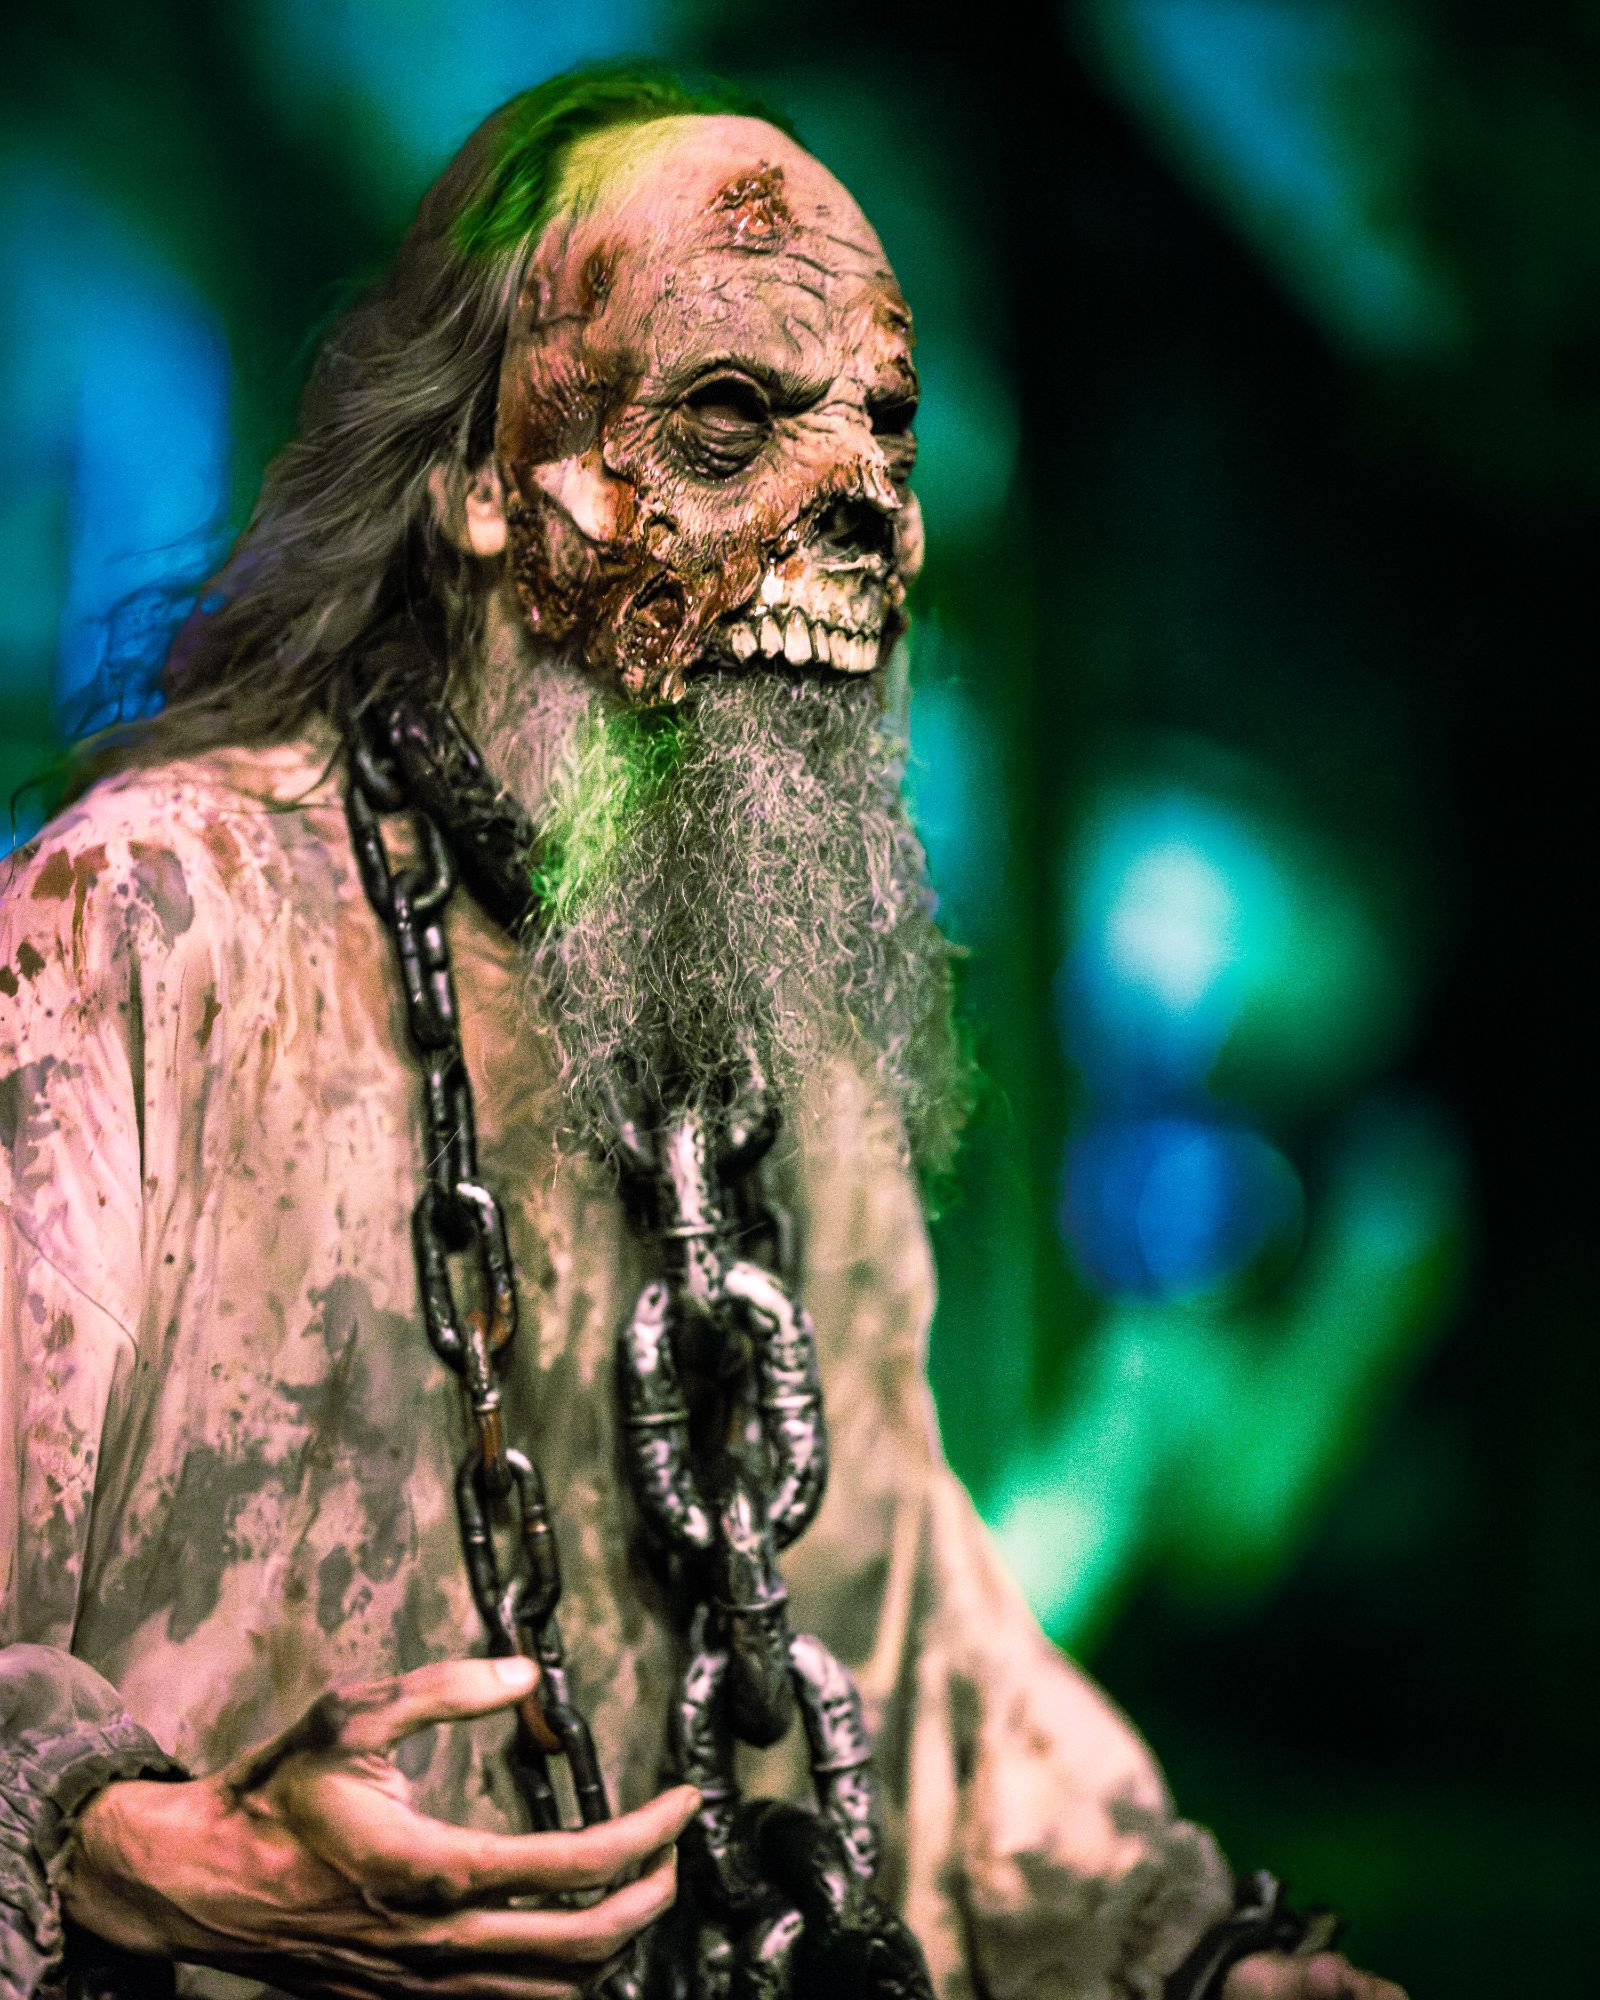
749	209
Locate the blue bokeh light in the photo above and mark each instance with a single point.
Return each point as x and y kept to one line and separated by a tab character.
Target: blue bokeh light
1192	921
118	407
1175	903
1172	1206
1254	98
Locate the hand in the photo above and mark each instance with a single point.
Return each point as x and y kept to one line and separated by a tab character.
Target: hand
1269	1975
303	1863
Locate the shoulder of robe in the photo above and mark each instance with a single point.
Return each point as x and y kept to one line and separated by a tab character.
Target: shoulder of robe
153	866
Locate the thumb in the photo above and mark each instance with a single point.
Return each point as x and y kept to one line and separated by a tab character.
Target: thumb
380	1714
372	1716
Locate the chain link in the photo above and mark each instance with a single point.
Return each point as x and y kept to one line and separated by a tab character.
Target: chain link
459	1233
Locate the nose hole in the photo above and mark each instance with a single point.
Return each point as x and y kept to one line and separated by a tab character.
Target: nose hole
856	528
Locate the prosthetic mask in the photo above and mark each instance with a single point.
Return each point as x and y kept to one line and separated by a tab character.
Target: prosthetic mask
705	411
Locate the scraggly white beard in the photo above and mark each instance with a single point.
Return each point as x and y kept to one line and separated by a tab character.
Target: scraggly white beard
767	905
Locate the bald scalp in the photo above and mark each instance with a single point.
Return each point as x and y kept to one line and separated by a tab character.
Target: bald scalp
697	168
645	212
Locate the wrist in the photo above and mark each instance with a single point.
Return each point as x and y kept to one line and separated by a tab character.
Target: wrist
1260	1923
110	1872
66	1739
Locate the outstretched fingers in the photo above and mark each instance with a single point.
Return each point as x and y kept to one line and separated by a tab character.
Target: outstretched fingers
1327	1975
1331	1976
370	1717
578	1937
403	1855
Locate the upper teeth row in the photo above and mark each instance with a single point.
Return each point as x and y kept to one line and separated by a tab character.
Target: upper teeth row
800	639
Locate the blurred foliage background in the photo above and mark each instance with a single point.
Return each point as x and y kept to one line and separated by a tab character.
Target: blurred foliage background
1261	454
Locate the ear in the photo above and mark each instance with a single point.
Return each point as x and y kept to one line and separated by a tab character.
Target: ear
471	512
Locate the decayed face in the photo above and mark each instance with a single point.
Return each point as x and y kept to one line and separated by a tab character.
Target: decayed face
705	415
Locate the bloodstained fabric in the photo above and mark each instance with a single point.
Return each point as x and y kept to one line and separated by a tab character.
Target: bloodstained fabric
227	1451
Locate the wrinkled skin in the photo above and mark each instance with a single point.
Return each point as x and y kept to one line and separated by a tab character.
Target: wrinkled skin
705	412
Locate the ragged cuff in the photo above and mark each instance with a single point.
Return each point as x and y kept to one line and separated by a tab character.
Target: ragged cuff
1259	1921
64	1736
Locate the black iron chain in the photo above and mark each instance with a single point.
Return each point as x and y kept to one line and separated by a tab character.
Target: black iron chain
777	1904
458	1231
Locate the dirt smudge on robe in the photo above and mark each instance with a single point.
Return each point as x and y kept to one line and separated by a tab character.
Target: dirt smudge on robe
335	1574
158	875
213	1490
210	1008
30	963
25	1116
62	876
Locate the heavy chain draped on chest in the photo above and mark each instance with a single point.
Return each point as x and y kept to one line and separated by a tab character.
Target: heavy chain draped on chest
725	1446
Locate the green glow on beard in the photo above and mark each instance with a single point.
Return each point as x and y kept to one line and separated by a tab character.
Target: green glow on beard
615	771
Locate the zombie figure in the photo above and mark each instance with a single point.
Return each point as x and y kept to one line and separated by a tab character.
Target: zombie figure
466	1068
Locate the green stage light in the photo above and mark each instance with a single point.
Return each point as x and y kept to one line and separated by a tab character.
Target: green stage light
1227	945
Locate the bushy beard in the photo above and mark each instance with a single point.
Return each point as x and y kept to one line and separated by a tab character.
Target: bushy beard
731	887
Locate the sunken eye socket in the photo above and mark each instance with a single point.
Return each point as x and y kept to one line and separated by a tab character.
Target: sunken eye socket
721	425
730	400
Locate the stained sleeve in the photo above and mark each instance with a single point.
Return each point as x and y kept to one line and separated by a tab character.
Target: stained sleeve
1040	1856
71	1207
71	1118
1045	1856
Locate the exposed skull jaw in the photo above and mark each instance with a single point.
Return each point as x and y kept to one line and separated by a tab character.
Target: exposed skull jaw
806	624
833	617
645	624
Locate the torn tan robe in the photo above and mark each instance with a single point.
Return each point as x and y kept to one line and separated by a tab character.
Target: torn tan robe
225	1475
